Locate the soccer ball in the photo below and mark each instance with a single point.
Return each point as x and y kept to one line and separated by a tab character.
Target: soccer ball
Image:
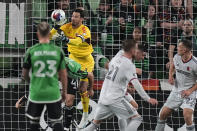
58	17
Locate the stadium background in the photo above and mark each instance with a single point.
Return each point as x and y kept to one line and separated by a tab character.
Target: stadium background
18	20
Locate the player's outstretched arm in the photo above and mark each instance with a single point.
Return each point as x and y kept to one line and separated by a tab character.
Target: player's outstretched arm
142	93
171	73
25	74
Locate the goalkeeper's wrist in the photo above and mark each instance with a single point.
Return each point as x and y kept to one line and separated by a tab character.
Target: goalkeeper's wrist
65	39
57	27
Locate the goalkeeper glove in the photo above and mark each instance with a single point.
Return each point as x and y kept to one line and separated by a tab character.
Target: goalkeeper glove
61	37
57	27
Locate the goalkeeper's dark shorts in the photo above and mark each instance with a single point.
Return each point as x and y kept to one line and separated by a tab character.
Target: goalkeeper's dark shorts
72	86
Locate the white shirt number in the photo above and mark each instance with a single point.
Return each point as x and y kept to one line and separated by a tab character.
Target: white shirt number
51	69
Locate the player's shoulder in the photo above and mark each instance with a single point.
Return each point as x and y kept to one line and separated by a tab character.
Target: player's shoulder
177	56
34	47
127	63
66	26
194	59
84	28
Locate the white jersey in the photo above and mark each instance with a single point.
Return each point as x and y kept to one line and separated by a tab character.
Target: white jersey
121	71
186	73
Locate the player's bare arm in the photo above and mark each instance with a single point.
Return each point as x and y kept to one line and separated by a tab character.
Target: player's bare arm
63	79
171	73
142	93
21	102
25	74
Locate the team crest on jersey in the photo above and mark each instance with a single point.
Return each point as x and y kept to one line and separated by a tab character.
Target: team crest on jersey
188	68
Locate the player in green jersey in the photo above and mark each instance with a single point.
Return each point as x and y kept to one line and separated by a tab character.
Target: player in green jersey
74	74
46	62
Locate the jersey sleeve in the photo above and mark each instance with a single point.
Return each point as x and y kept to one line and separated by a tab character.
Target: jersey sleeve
138	86
52	33
27	60
132	77
130	72
175	59
83	37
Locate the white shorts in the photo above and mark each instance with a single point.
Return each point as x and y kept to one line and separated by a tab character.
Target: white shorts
175	101
122	109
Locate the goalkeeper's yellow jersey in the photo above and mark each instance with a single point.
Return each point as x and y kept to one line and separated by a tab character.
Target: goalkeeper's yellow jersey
79	44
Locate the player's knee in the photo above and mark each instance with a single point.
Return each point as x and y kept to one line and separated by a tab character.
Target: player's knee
164	113
96	122
83	86
69	102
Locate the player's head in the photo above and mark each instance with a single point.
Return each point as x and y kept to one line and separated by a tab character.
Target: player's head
188	26
140	53
184	47
63	4
77	17
43	30
130	46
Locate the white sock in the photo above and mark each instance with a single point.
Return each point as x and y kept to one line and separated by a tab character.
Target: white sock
134	124
190	127
91	127
85	115
122	123
160	125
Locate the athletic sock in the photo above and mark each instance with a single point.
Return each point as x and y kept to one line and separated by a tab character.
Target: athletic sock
122	123
134	124
160	125
85	102
68	115
190	127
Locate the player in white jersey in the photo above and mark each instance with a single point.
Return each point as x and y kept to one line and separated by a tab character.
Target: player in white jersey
184	93
112	97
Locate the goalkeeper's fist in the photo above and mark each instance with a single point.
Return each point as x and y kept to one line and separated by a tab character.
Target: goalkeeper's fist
60	37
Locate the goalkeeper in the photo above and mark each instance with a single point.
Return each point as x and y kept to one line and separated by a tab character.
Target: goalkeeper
74	73
78	39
